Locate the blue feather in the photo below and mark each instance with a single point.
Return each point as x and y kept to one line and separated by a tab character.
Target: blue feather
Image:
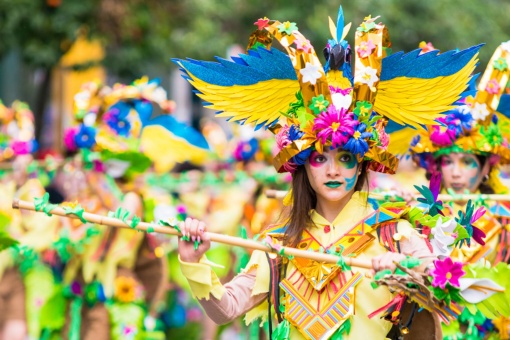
426	66
340	24
181	130
257	66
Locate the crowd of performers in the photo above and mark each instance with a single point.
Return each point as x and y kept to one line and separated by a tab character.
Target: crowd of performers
432	260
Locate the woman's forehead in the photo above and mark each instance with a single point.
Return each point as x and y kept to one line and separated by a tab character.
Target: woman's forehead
460	155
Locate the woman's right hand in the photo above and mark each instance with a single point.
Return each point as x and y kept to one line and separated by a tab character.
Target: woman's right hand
195	230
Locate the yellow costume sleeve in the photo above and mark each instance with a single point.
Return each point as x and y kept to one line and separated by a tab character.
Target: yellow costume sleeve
202	280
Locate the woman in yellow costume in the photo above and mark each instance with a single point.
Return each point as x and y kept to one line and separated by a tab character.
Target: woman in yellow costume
20	295
119	279
467	151
329	135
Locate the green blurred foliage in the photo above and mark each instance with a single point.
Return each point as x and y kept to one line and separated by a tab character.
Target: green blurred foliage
142	34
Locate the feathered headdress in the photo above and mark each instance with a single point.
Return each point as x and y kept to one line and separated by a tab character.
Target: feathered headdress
312	106
479	124
118	123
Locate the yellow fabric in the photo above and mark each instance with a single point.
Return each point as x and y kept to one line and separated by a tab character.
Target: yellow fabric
367	299
202	280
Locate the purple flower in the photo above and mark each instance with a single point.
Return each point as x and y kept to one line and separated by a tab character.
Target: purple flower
446	271
357	144
335	125
458	121
20	147
76	288
121	126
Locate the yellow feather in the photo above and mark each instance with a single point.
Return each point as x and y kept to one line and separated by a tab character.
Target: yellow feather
417	101
256	103
336	78
400	141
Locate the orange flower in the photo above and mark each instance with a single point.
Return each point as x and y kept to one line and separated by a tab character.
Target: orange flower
125	289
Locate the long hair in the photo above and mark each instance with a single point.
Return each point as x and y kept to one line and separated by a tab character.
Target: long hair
305	199
484	187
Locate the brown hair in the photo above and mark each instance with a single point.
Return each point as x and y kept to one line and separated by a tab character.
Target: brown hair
304	199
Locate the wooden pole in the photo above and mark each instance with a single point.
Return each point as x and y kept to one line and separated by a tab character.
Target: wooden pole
225	239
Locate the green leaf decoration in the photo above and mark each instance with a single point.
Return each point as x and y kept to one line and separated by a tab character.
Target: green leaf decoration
282	331
123	215
304	117
42	204
53	312
342	264
345	328
75	210
244	234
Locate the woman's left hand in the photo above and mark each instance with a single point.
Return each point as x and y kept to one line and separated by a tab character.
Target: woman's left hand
387	261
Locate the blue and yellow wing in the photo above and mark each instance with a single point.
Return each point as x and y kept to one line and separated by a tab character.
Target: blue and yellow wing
253	88
415	89
166	141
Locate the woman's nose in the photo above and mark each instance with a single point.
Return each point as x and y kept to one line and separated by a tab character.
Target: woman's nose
333	168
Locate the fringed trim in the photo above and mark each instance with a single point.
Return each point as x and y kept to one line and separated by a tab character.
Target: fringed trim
259	312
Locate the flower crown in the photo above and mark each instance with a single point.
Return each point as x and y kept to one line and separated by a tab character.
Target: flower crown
479	124
310	106
17	131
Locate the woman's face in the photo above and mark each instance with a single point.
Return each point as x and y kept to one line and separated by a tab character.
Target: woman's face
332	174
462	172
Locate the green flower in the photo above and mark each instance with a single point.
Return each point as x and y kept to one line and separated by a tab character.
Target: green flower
319	104
287	27
500	64
363	109
492	135
367	25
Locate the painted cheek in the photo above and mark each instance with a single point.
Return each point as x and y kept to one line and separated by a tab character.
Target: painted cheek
351	181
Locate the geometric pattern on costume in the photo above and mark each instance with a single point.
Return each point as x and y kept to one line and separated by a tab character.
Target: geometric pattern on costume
320	324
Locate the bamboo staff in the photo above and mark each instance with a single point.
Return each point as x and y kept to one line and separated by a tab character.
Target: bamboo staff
392	197
225	239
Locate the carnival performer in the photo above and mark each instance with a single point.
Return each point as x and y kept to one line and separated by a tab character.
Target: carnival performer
467	152
329	137
20	296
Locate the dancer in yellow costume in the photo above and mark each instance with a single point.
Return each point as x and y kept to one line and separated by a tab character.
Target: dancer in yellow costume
467	151
329	137
20	296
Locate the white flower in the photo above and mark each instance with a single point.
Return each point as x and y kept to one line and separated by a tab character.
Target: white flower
159	95
479	111
443	239
366	75
310	73
341	101
89	119
506	46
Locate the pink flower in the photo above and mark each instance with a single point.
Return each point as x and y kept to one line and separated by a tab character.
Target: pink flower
336	125
303	44
20	147
282	138
290	167
492	87
365	48
69	139
262	23
441	135
446	271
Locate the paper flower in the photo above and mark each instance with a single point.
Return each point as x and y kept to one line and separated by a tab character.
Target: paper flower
341	98
500	64
336	125
76	288
479	111
262	23
357	145
492	134
492	87
458	121
368	24
363	109
303	44
86	137
69	136
442	135
295	133
20	147
367	75
113	120
319	104
506	46
446	271
443	237
287	27
125	289
302	157
282	138
310	73
365	48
